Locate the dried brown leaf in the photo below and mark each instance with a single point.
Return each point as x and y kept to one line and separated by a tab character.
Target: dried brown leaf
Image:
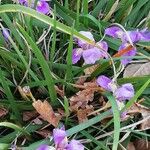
46	112
91	84
104	107
37	121
81	99
3	112
133	110
82	113
145	112
145	125
44	133
28	115
139	69
81	80
131	146
86	85
142	144
82	116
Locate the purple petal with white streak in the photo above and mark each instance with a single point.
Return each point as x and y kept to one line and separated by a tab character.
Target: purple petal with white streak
75	145
114	31
43	7
104	47
22	1
90	56
104	82
125	92
6	33
83	44
60	138
44	147
132	52
76	55
134	36
145	35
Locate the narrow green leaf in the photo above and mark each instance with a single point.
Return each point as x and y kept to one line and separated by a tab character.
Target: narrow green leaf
99	143
43	18
87	124
45	68
10	96
15	127
116	116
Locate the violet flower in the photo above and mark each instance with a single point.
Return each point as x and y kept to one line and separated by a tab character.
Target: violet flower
135	36
114	31
89	52
122	93
45	147
145	35
61	141
23	1
125	92
132	52
60	138
42	5
74	145
6	33
104	82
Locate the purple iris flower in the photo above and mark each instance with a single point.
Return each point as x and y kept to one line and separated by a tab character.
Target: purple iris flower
22	1
60	138
132	52
135	35
145	35
89	52
76	55
45	147
117	32
104	82
114	31
125	92
83	44
42	5
75	145
122	93
6	33
61	141
124	115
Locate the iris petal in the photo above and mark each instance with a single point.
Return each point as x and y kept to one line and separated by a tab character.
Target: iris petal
60	138
104	82
83	44
114	31
90	56
132	52
43	7
125	92
45	147
75	145
76	55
